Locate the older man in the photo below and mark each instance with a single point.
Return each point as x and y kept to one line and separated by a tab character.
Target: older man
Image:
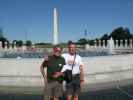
53	81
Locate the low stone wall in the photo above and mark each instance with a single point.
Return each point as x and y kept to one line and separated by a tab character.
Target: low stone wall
103	64
20	72
26	72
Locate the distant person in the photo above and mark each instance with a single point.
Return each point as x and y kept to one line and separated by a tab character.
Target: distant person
74	63
53	79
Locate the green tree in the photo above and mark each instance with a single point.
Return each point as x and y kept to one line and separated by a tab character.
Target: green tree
127	31
19	43
82	41
1	33
91	42
2	38
121	33
28	43
105	37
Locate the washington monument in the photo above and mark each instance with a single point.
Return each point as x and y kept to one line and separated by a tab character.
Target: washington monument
55	30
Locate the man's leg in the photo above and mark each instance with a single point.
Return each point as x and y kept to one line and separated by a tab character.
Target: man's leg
55	98
75	97
69	97
48	91
58	91
76	87
69	91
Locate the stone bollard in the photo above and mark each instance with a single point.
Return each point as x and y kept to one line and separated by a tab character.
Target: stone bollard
126	44
99	43
0	45
116	45
131	43
6	46
104	45
121	43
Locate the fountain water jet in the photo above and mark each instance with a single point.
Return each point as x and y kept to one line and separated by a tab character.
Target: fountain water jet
111	46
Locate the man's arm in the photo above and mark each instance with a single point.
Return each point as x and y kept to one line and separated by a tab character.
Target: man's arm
81	73
81	77
43	70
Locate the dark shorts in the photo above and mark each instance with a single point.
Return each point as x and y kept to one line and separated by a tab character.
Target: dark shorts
73	88
53	89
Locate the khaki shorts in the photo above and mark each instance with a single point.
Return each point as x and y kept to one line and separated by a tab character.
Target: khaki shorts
53	89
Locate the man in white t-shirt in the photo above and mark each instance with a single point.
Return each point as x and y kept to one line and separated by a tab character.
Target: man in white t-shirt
72	59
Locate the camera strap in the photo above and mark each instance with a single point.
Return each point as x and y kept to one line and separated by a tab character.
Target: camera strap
74	60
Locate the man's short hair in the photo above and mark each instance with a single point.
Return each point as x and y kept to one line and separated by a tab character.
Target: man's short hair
70	43
57	46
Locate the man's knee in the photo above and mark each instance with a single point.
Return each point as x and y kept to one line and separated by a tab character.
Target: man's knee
75	97
69	97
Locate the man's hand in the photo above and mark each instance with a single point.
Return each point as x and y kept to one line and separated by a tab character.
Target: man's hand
82	84
46	58
57	74
45	80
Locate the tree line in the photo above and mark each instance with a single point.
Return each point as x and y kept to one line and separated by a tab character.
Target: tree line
119	33
18	43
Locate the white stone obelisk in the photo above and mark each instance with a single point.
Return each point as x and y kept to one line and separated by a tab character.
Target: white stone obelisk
55	30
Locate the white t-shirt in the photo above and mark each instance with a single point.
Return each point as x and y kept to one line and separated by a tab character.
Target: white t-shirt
69	61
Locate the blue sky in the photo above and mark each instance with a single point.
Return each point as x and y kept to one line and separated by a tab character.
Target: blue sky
33	18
